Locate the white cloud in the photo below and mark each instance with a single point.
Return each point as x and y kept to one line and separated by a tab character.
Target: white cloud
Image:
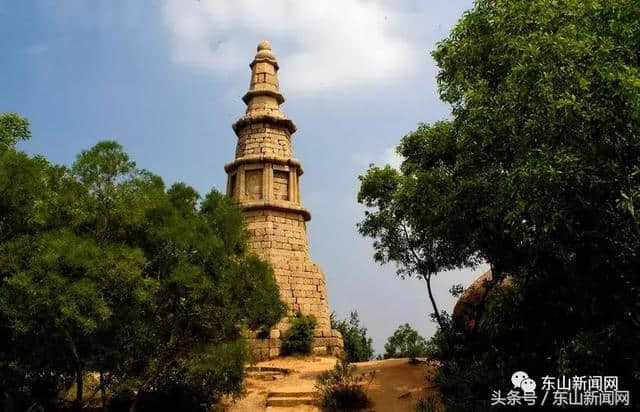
389	156
392	158
322	45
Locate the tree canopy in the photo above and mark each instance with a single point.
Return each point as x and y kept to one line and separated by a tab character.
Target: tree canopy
104	269
358	347
405	342
536	173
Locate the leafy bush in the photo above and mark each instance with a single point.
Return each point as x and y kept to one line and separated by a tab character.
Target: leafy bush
357	346
342	389
406	343
299	338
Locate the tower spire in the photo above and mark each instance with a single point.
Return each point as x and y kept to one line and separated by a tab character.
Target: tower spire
264	74
264	142
263	99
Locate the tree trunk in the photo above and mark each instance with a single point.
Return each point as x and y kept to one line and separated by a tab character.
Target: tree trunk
436	312
103	392
77	404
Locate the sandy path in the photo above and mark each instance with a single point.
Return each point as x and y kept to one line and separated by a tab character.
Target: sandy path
397	385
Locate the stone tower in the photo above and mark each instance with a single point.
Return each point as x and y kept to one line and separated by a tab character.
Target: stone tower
264	179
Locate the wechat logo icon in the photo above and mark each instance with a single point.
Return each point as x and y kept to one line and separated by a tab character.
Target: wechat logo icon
521	380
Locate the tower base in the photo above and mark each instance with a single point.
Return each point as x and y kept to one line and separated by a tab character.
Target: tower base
325	342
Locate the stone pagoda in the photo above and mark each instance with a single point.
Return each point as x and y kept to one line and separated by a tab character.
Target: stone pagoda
264	179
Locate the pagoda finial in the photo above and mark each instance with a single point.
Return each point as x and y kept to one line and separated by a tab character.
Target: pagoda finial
264	53
264	98
264	74
264	45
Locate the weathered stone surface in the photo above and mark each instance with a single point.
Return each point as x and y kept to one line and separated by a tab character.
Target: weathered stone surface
472	299
264	179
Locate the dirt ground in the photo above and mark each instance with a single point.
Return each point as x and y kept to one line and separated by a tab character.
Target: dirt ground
397	385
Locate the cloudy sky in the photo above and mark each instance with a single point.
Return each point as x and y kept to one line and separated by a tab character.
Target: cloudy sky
165	79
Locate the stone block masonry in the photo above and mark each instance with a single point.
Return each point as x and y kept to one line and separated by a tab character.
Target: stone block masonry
264	179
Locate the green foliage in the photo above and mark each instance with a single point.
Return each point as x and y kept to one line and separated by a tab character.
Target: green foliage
196	383
535	173
406	343
298	339
357	346
105	270
13	128
342	388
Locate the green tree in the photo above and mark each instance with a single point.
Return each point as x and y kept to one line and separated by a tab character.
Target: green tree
406	342
535	173
105	270
358	347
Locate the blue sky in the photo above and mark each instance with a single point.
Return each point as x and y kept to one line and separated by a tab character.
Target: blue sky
165	78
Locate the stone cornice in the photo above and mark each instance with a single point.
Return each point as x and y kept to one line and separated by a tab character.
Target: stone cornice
266	57
253	159
281	206
264	118
263	92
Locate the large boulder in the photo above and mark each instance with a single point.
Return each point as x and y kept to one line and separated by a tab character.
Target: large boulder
469	305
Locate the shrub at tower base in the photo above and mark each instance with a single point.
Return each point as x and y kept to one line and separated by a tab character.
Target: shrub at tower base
536	173
298	340
107	273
